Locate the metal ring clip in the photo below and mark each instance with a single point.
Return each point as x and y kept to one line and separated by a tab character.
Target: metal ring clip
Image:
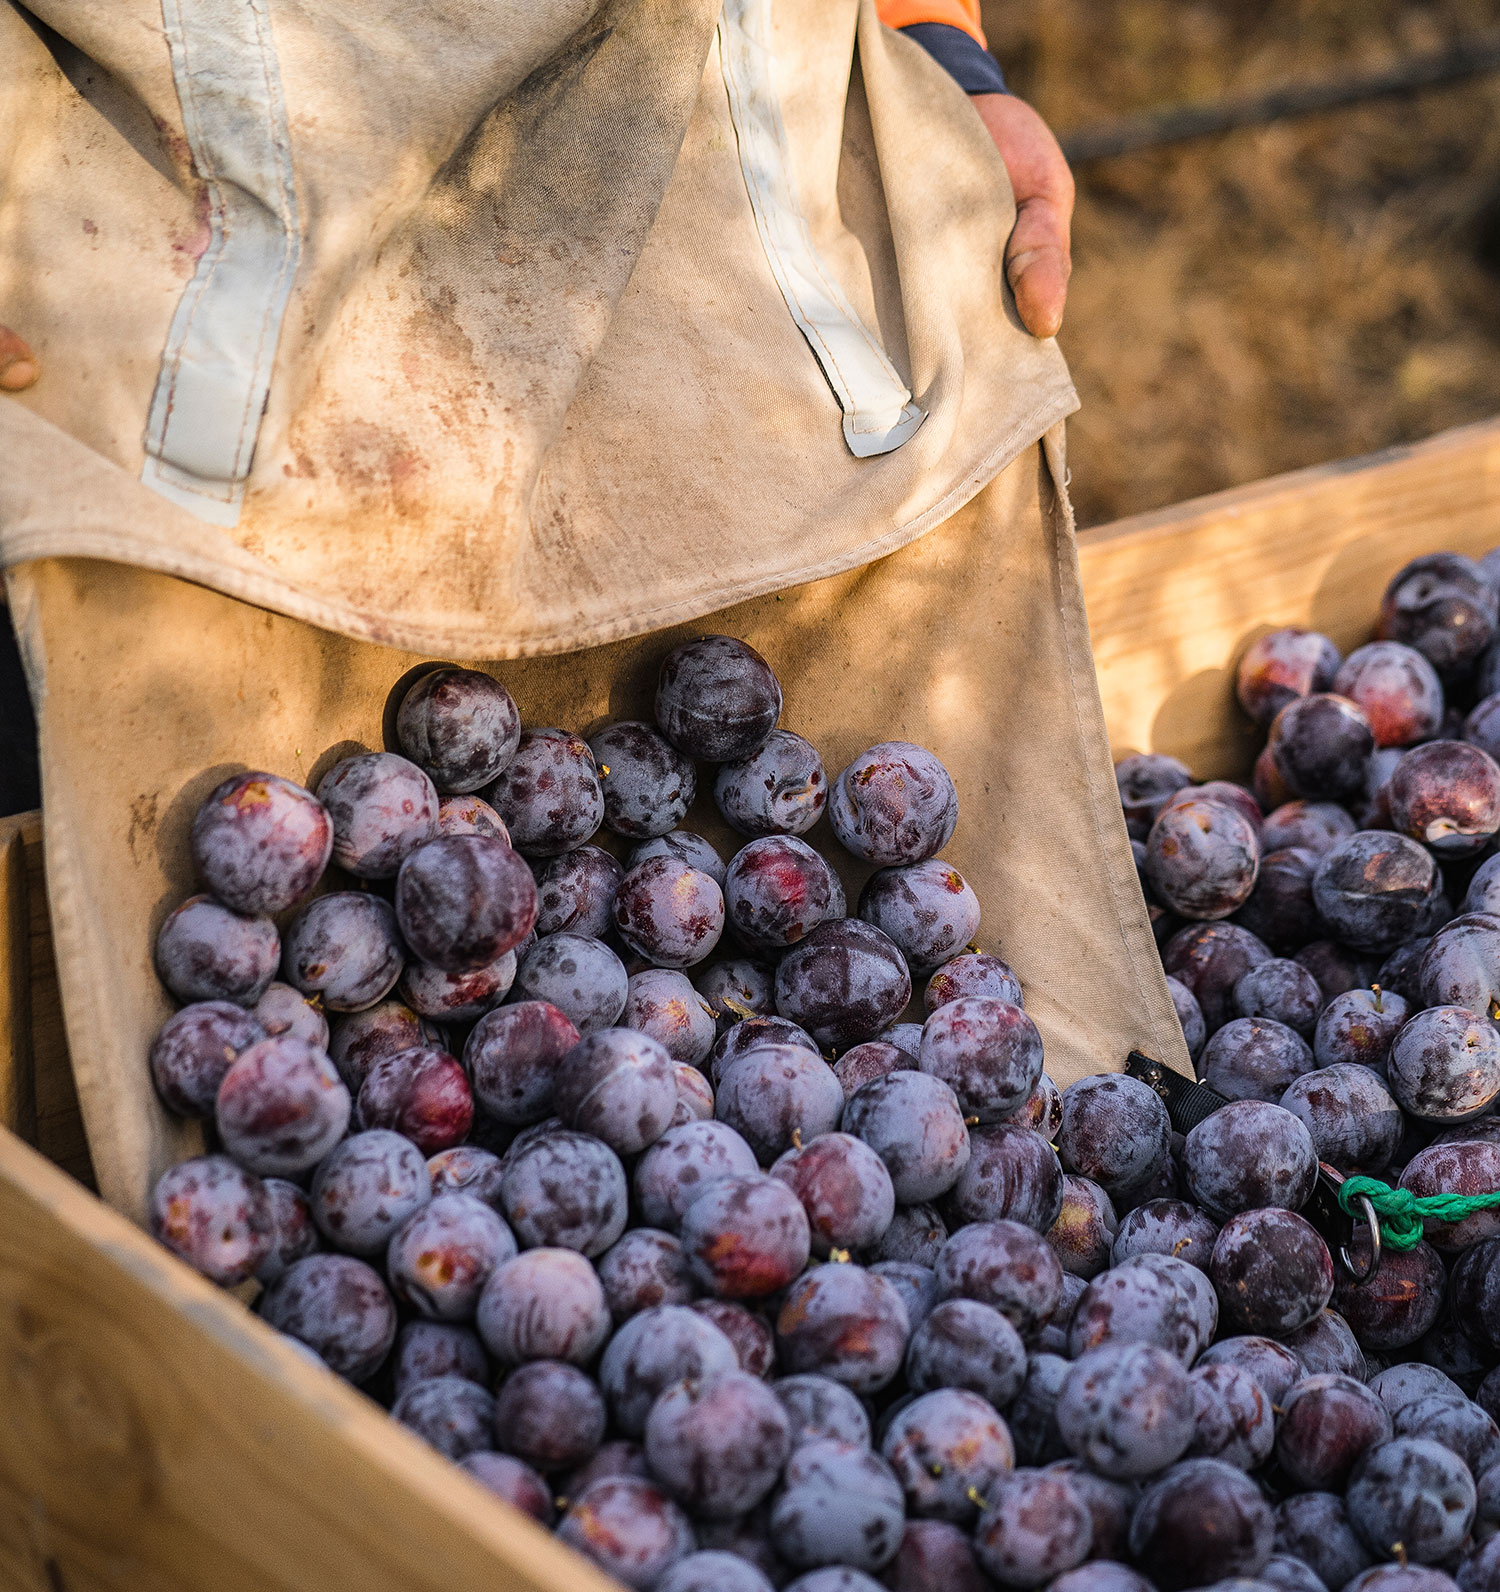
1373	1222
1335	1180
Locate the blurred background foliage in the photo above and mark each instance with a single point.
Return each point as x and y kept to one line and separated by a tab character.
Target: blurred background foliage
1277	296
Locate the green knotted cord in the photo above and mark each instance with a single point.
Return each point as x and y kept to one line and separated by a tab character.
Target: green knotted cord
1400	1212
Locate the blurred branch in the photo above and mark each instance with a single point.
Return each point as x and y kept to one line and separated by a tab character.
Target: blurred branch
1176	124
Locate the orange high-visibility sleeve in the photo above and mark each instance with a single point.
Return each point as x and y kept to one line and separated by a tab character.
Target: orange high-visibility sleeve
955	13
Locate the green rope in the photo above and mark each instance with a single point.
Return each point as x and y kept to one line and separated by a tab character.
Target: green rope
1400	1212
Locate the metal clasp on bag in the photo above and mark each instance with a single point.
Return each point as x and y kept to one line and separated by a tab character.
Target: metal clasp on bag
1188	1103
1329	1183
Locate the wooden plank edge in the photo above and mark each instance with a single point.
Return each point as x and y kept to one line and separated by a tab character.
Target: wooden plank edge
1175	596
59	1133
143	1340
17	1054
1458	442
43	1106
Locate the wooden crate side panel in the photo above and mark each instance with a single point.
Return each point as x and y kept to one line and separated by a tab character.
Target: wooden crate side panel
159	1438
1175	597
59	1121
38	1101
17	1060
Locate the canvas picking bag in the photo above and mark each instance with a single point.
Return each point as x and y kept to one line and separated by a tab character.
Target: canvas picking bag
539	336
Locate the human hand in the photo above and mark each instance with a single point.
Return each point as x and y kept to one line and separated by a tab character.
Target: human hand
19	367
1038	260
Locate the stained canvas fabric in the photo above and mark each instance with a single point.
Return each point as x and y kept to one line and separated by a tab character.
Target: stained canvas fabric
456	331
535	385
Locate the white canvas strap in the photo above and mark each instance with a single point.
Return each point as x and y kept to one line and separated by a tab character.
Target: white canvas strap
216	368
879	413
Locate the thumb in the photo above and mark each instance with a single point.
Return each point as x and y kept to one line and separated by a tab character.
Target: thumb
1038	264
19	367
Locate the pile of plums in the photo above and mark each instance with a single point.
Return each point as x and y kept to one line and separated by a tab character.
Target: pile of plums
626	1178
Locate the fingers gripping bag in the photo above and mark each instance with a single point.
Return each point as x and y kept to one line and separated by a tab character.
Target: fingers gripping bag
537	337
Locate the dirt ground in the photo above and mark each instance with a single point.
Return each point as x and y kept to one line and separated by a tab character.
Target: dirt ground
1276	296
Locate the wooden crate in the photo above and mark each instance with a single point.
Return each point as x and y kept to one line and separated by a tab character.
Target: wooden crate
1175	596
157	1437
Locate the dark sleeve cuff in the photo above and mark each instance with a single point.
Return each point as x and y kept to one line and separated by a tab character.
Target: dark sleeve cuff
961	55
